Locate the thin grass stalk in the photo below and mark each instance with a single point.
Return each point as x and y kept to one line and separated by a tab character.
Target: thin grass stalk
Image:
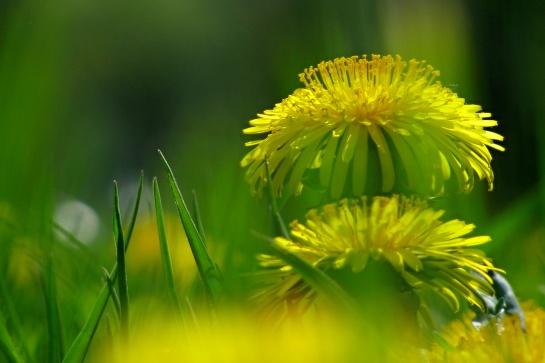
113	292
123	287
193	315
8	308
73	239
167	262
315	277
198	220
274	205
6	344
80	346
56	349
134	214
207	269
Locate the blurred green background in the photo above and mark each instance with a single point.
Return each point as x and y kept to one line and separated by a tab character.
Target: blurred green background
89	90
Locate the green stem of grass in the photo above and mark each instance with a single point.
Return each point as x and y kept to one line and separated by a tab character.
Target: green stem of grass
122	271
113	293
6	344
134	214
274	205
73	239
80	346
56	349
316	278
198	220
9	309
167	262
207	269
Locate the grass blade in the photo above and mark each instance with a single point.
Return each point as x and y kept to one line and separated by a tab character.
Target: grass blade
6	344
73	239
274	205
193	315
207	269
198	220
128	235
113	292
123	287
8	307
316	278
167	262
56	349
79	347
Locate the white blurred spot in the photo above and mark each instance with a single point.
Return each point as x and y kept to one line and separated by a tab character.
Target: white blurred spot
78	219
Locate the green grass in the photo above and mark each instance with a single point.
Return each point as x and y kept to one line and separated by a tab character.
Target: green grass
74	103
167	262
207	269
113	319
80	346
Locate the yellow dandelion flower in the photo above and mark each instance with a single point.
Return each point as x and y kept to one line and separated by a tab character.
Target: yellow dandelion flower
354	114
236	337
427	254
503	341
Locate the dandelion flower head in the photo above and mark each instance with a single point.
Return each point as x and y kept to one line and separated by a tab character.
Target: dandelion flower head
356	115
428	254
499	341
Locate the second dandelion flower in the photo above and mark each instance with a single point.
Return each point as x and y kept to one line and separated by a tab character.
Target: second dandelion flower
403	234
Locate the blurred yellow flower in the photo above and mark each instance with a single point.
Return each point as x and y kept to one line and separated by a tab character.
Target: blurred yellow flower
355	114
500	342
237	337
25	265
428	254
24	260
144	252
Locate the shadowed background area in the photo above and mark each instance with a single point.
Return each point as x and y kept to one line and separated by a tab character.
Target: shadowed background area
89	90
